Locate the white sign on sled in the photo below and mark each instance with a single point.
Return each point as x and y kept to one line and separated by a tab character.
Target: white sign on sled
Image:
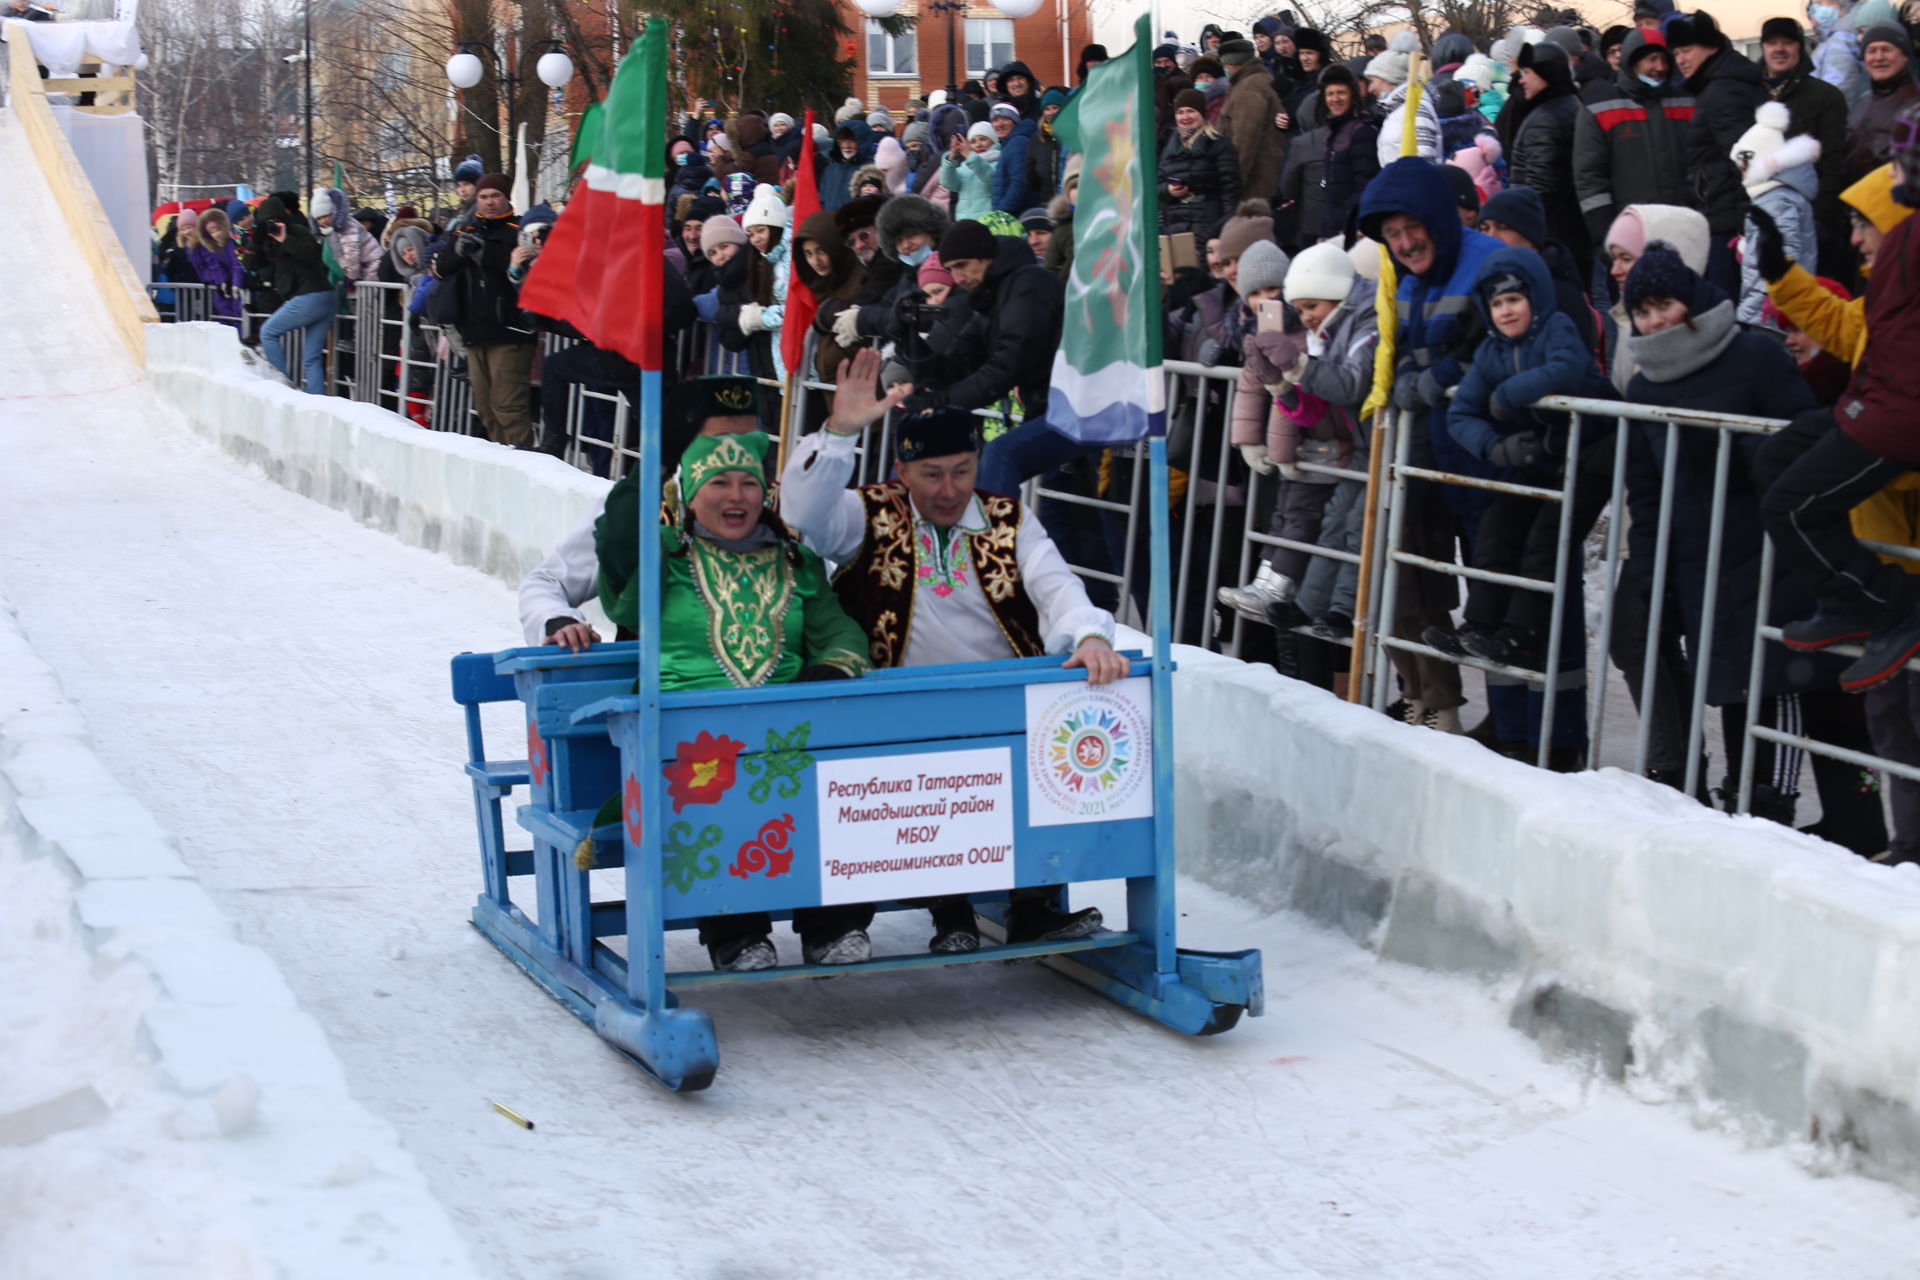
915	826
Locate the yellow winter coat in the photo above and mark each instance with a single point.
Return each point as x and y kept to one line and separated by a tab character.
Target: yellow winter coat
1893	514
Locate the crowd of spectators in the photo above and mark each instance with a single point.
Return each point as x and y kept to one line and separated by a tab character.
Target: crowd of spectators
1640	213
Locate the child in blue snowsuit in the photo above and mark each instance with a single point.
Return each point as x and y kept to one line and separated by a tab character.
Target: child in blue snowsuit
1531	350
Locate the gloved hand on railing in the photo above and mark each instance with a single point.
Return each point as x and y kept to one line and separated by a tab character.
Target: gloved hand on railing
1771	247
1417	389
1257	459
846	327
1289	471
750	318
1274	359
1522	449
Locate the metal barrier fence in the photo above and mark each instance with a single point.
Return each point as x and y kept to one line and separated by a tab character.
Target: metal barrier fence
380	353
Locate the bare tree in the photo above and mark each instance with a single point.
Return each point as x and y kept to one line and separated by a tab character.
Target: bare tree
220	101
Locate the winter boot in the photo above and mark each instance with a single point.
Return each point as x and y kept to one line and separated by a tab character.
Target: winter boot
1445	639
1567	759
1335	626
1767	803
1285	615
1887	652
1509	646
851	946
744	955
1267	588
954	930
1442	719
1037	921
1825	629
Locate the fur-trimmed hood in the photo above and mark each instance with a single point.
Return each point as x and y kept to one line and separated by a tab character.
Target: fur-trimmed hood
393	228
903	214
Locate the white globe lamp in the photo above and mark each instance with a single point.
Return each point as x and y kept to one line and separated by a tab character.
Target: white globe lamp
877	8
554	69
464	70
1017	8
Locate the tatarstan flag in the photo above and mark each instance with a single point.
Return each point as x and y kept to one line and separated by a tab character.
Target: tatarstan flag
802	306
601	269
1108	382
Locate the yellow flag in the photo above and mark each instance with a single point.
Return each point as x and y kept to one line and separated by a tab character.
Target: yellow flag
1383	354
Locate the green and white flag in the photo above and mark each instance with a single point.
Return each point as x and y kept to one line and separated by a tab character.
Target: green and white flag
1107	383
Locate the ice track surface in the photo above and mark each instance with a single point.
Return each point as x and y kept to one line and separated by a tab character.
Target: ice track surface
270	679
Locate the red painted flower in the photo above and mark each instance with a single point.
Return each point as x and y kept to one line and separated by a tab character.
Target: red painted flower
767	850
631	809
702	770
536	755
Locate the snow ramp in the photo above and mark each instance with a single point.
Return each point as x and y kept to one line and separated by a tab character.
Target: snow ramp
240	694
166	1106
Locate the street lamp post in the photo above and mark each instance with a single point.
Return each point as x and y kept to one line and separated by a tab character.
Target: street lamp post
553	69
950	8
306	70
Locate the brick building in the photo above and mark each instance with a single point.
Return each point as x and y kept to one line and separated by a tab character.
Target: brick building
891	70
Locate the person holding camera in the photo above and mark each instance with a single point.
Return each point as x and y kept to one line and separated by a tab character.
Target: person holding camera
476	262
286	258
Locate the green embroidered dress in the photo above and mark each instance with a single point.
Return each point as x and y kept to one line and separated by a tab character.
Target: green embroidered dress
747	618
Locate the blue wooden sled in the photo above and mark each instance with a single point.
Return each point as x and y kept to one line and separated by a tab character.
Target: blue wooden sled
904	784
747	765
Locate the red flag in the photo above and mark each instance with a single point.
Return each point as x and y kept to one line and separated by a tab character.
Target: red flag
801	304
601	270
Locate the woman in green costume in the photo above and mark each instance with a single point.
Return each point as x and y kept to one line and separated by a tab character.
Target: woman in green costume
742	604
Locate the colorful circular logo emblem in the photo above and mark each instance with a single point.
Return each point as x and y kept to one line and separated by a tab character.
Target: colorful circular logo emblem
1087	755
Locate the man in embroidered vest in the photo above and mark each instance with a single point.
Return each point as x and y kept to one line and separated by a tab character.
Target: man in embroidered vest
552	593
936	571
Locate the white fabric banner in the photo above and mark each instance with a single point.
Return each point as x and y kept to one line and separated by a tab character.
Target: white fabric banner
61	47
112	151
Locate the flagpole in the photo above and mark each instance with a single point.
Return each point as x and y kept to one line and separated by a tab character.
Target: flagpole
1364	628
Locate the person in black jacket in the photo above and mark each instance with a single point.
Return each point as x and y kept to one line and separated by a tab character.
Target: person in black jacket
1727	90
1018	88
1046	153
1199	170
1539	144
1815	109
1353	159
286	257
1630	144
1023	306
499	342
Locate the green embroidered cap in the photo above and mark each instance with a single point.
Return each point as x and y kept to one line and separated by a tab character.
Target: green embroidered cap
709	456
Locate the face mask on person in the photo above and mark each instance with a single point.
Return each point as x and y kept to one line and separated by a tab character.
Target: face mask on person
680	158
1651	81
1823	15
918	256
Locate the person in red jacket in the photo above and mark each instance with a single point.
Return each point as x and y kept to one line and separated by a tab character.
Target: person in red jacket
1814	475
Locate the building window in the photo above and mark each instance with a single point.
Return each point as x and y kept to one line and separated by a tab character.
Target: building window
890	55
989	44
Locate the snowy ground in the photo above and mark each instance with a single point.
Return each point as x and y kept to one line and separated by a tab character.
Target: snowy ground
270	679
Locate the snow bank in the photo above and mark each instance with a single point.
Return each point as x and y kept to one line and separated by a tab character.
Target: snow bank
164	1098
477	502
1747	971
1753	972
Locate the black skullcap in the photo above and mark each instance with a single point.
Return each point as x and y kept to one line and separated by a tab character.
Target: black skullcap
929	428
